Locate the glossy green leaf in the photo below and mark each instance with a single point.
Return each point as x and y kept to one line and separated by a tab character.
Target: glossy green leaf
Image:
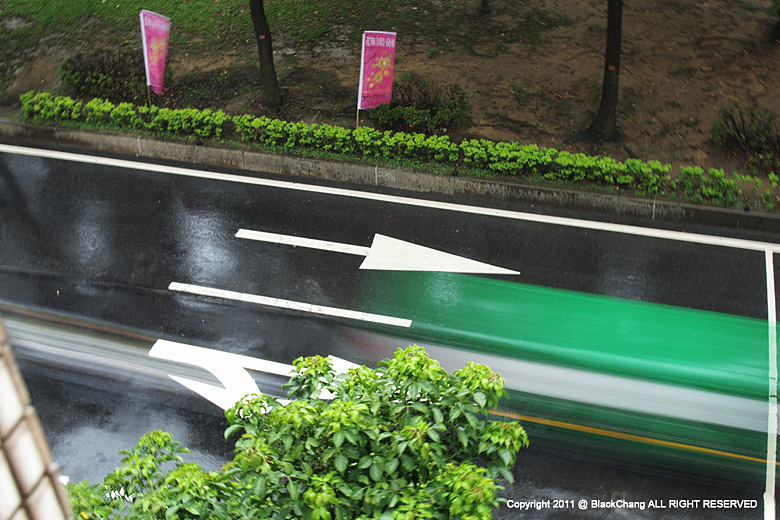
365	461
341	462
293	490
375	472
463	438
506	456
391	465
338	438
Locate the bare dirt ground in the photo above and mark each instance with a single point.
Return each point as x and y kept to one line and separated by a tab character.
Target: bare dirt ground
682	63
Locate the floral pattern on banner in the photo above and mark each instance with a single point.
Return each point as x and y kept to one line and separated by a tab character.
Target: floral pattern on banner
376	69
155	29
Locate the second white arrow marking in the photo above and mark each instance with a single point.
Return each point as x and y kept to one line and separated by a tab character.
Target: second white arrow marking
386	254
230	369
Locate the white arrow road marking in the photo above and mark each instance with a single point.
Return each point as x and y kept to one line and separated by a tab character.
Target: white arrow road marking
386	254
288	304
229	369
390	254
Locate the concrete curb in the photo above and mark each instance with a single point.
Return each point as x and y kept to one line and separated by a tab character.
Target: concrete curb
608	206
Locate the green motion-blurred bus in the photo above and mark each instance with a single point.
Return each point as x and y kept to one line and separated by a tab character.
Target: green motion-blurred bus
653	384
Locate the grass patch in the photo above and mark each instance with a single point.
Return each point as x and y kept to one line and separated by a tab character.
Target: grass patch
193	21
210	89
220	24
196	24
531	25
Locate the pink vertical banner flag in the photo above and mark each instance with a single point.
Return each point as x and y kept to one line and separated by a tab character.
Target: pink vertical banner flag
376	69
154	34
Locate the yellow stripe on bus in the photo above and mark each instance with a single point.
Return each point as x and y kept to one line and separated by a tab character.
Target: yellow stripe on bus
625	436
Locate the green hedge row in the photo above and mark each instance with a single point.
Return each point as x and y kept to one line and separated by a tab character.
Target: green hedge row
44	107
487	157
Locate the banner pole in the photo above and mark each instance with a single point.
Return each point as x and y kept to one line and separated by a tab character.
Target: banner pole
360	79
149	94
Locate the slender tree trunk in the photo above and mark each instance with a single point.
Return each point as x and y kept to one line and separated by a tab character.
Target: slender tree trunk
484	8
604	127
270	93
774	33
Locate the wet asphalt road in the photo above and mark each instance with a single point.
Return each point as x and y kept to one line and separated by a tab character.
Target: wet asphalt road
102	244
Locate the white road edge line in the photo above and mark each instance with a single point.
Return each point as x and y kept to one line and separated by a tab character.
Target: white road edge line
288	304
771	444
446	206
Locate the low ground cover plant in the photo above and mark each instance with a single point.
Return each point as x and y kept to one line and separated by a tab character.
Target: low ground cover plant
404	441
422	105
751	132
116	75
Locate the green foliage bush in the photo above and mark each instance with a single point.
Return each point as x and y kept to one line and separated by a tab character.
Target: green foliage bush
404	441
712	186
116	75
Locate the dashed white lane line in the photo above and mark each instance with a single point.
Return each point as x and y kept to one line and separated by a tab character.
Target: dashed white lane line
288	304
311	243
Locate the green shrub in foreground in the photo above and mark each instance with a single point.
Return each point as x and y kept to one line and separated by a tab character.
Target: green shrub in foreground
404	441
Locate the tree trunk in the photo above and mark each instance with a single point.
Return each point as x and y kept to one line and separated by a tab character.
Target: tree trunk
604	127
270	94
484	8
774	33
